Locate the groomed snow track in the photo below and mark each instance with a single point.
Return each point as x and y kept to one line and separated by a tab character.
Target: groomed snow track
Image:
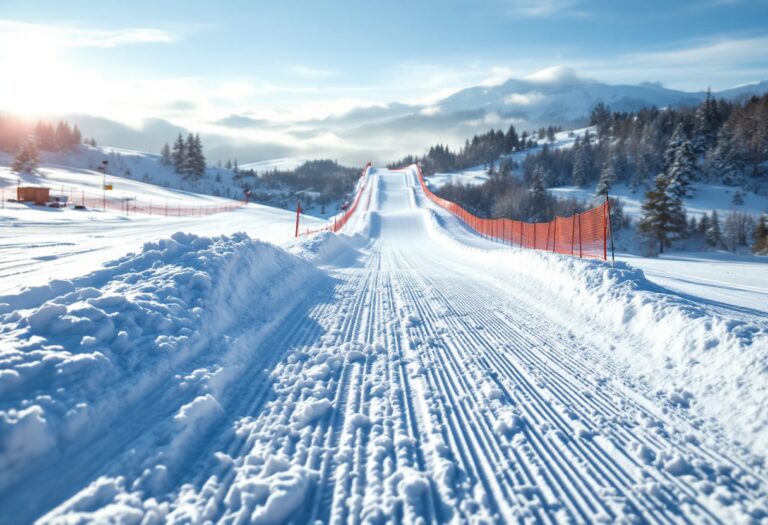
410	387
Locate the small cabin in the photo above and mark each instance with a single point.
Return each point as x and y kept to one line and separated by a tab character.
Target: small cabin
33	194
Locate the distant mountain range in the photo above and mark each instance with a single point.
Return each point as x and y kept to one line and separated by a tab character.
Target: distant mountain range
382	133
554	96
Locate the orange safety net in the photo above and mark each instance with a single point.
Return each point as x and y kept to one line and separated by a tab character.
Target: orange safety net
129	205
584	234
338	222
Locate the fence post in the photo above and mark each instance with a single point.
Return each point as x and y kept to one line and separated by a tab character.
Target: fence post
573	230
554	235
166	207
298	211
534	235
605	229
581	254
610	225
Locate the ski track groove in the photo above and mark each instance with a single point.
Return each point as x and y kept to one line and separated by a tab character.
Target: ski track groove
447	356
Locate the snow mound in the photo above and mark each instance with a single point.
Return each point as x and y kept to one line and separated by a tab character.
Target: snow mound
77	353
695	352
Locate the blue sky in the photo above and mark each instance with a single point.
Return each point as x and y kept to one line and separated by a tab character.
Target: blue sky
195	61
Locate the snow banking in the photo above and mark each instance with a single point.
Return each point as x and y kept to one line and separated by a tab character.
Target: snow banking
76	353
694	351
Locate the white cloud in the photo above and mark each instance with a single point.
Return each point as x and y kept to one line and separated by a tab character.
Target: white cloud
431	110
523	99
538	8
720	52
309	72
69	36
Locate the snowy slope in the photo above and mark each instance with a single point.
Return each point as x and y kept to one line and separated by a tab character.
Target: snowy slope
705	199
37	242
284	164
478	174
403	372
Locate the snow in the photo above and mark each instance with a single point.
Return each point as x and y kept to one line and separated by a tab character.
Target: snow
403	371
736	281
263	166
36	242
706	197
477	175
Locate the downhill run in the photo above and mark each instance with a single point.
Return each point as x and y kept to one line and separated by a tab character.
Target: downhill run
402	370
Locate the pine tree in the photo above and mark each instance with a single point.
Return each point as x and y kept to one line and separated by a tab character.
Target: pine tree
63	136
726	162
703	224
713	234
537	202
45	136
579	173
607	178
683	169
27	159
198	159
663	215
165	155
77	137
670	154
179	154
707	121
737	199
760	237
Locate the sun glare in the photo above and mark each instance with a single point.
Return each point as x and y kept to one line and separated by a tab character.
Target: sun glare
39	80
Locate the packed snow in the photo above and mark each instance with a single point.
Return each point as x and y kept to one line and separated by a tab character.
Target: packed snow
403	371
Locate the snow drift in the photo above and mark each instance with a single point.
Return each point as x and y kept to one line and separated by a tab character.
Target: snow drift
695	352
77	352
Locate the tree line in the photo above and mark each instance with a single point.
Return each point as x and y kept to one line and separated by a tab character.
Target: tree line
479	150
186	156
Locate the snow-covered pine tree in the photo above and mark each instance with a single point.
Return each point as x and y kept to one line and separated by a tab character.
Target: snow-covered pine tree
663	215
198	159
707	122
165	155
703	224
760	237
607	178
714	234
27	159
726	162
670	154
738	198
179	154
579	173
189	157
683	170
537	201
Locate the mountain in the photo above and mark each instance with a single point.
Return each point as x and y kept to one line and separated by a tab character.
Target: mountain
555	96
380	133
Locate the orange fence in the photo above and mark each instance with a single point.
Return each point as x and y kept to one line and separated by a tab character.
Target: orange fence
129	204
339	221
584	234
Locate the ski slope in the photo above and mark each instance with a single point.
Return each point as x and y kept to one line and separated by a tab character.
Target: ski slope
406	371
